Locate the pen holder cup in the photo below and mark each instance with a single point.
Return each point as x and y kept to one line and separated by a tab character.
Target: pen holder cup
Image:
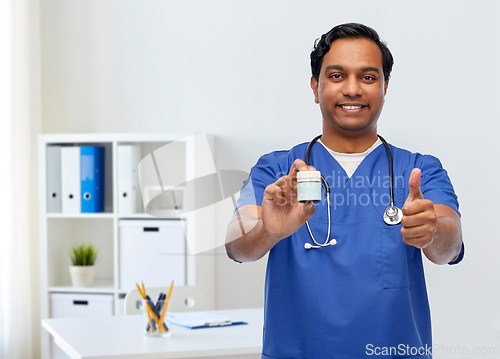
156	318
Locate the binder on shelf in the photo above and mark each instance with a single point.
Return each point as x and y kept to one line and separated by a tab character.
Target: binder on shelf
70	179
54	203
128	179
92	179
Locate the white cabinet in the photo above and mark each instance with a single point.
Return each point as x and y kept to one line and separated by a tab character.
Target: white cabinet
74	305
152	251
115	268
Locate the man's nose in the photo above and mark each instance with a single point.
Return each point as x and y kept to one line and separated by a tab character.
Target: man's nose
352	87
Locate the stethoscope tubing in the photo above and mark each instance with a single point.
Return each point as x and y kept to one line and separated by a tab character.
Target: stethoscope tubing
389	153
392	214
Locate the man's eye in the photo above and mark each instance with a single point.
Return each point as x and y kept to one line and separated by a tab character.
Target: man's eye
335	76
368	78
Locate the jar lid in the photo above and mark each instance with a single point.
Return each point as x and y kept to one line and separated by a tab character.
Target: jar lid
308	176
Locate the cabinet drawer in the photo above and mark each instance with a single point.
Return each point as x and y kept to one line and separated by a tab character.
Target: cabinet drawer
66	305
152	251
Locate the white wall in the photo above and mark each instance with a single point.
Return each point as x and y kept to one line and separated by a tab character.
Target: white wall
240	70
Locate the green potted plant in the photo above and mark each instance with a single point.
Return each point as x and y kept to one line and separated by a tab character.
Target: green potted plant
83	258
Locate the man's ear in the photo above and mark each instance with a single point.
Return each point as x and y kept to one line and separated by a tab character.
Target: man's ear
386	85
314	86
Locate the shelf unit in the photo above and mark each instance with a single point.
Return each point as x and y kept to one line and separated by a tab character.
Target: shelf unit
58	231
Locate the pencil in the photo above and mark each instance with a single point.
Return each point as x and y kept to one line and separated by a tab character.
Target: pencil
170	290
165	305
140	290
147	307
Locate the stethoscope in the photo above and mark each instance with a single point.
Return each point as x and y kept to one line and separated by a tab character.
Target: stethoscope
392	214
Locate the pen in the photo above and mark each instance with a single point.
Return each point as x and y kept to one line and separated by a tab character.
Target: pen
219	324
156	308
152	308
149	307
142	292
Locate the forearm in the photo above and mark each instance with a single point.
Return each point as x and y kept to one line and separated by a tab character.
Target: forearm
247	240
447	241
254	230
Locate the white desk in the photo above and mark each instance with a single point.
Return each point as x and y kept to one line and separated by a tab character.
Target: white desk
123	337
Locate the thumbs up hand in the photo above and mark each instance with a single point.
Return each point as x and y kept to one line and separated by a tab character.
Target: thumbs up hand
419	221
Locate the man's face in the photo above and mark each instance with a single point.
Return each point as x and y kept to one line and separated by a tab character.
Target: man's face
351	87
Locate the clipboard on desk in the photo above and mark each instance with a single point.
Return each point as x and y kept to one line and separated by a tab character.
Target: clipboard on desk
200	320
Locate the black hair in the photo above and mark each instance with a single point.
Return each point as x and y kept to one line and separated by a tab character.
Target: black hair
351	30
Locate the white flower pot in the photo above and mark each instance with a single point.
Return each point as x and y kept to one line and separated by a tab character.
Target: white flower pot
82	276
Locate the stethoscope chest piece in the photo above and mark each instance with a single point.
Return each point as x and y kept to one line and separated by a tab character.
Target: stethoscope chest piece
393	215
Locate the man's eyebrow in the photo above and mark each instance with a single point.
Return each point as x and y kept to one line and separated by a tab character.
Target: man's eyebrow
341	68
334	67
370	68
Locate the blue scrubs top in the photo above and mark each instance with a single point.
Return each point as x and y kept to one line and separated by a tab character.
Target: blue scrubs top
366	295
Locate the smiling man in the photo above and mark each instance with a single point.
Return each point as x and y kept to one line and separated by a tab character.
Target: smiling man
358	290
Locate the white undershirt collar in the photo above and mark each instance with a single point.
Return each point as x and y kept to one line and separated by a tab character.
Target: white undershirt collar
351	161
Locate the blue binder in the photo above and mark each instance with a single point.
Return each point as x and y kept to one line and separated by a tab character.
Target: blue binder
92	176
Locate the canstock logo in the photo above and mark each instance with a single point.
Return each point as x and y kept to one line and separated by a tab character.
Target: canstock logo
180	179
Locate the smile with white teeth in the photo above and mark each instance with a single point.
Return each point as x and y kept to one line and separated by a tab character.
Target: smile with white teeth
351	107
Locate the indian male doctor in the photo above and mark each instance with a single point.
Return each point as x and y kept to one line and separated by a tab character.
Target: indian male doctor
357	289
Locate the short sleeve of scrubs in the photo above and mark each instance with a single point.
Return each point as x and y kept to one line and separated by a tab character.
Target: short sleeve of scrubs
435	183
436	186
266	171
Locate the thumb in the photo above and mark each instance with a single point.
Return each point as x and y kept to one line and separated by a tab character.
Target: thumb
308	210
414	184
